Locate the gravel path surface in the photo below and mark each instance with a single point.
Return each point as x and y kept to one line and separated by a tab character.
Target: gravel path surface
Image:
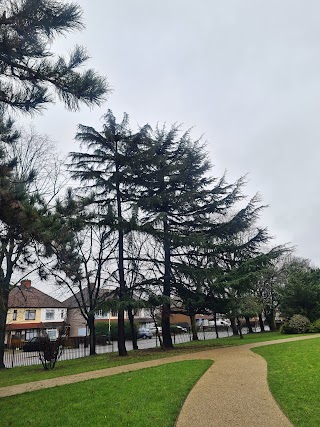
232	393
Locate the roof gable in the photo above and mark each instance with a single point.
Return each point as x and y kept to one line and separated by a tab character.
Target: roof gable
21	297
72	302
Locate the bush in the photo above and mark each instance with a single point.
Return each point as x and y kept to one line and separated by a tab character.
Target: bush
102	329
296	325
314	326
285	329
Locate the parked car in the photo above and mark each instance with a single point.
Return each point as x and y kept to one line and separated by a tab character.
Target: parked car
153	329
35	344
144	333
220	322
177	329
181	329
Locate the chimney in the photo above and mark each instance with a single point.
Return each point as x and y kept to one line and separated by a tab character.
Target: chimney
26	283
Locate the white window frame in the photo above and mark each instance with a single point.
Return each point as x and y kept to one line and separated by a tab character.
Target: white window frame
31	333
52	333
50	314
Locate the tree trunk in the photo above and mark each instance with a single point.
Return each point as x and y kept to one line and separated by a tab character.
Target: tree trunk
215	325
92	334
158	335
271	320
261	322
239	328
165	323
122	351
194	327
248	324
133	332
4	295
234	326
166	309
122	284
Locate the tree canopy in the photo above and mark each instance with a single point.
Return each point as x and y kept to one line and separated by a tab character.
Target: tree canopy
29	71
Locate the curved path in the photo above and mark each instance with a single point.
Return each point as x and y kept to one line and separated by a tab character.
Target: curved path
232	393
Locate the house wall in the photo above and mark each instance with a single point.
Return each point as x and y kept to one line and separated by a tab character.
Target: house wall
20	319
104	315
60	314
76	321
143	313
21	316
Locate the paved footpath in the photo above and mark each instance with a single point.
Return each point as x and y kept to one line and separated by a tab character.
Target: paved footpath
232	393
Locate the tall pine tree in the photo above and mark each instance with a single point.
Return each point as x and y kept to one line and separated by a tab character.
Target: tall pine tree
175	179
106	169
29	70
21	223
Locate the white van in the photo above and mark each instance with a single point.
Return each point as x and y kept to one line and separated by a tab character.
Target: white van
220	322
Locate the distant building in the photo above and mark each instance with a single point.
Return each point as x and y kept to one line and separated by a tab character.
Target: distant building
77	322
32	313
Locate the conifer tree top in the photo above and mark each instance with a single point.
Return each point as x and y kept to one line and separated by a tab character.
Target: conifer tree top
29	72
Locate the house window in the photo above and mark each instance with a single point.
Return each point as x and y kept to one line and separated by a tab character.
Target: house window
49	314
30	333
30	315
114	313
52	334
82	332
15	313
100	314
62	314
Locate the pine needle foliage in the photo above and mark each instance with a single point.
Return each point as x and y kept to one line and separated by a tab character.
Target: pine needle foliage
105	169
29	71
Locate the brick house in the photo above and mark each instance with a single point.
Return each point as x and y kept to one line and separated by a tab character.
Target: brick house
78	324
31	313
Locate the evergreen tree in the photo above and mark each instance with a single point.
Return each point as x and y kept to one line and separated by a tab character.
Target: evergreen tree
175	189
224	245
21	223
245	260
189	212
107	170
300	289
24	218
29	70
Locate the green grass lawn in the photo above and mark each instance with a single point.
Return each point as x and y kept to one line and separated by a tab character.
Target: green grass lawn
294	379
25	374
149	397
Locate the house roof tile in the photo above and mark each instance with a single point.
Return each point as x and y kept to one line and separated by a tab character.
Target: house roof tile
22	297
72	302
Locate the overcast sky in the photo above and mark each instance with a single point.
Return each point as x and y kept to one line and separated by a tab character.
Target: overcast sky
246	74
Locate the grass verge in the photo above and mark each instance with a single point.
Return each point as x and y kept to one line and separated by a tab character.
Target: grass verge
294	379
25	374
149	397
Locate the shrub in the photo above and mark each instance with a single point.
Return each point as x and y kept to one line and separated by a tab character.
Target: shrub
296	325
102	329
314	326
49	352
